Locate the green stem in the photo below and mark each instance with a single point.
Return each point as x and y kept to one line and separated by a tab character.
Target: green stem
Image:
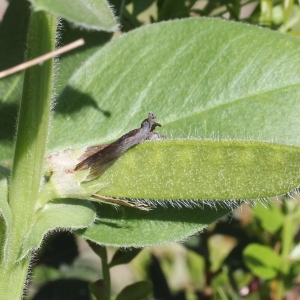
287	9
13	279
287	243
31	140
105	267
102	253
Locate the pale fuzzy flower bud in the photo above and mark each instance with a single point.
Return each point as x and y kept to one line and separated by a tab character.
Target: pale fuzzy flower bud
62	181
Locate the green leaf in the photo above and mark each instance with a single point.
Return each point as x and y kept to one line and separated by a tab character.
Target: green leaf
245	171
63	214
124	256
100	290
191	169
196	269
94	14
136	291
128	227
198	83
262	261
270	218
71	61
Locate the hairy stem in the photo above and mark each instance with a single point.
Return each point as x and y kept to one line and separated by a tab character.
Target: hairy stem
31	139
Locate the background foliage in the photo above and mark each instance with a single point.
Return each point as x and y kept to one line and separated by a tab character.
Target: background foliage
259	259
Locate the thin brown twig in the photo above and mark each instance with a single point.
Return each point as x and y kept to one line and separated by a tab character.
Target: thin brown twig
42	58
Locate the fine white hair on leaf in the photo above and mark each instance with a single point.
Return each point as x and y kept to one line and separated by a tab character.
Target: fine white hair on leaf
291	195
213	204
193	133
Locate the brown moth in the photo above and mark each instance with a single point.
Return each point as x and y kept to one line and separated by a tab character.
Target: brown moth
99	158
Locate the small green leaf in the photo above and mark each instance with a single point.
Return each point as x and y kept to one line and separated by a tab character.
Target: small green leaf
136	291
218	254
262	261
270	218
129	227
196	269
100	290
66	214
94	14
124	256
